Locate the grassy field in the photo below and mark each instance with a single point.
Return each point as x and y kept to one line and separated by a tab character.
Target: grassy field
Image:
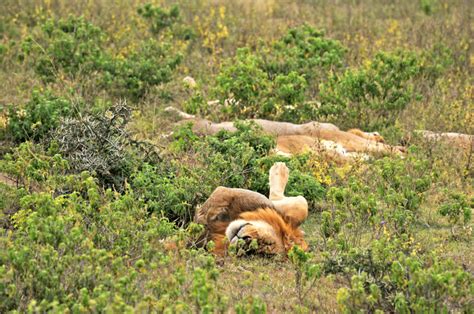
97	202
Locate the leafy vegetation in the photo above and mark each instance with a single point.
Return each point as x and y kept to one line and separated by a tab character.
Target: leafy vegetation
274	81
40	115
98	185
374	95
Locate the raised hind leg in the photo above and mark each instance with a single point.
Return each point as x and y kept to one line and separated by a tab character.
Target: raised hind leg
294	209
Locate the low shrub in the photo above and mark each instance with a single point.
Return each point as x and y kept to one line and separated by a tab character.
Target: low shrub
33	168
275	81
73	246
158	17
76	48
306	272
458	209
306	51
388	197
41	114
244	85
373	96
73	46
173	190
10	196
408	283
152	64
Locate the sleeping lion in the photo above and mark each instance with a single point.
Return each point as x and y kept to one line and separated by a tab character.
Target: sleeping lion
239	216
326	138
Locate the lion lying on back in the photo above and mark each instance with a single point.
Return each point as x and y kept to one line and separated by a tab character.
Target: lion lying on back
232	215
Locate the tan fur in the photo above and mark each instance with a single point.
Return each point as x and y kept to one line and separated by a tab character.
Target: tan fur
293	145
283	237
294	210
278	178
225	204
296	144
277	128
298	138
373	136
273	223
459	140
206	127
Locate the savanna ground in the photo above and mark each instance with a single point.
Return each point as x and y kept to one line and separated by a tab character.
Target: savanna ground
97	198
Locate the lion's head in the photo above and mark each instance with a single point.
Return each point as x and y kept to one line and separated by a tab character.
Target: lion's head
251	221
266	228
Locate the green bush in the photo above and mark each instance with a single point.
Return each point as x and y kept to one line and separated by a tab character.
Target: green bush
176	186
368	234
409	284
276	81
436	61
166	24
173	192
152	64
458	209
389	198
306	273
306	51
72	45
244	85
41	114
300	77
159	18
78	49
32	167
72	251
428	6
372	97
9	203
73	246
289	97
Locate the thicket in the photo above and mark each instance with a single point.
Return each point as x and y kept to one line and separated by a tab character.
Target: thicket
71	244
37	117
393	273
75	48
303	76
368	236
275	81
237	159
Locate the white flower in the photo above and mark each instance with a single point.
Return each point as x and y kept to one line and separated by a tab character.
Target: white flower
189	82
